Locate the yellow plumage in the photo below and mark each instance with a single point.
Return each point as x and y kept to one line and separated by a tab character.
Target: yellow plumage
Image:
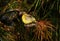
26	18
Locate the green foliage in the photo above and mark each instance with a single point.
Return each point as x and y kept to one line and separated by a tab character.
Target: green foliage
40	9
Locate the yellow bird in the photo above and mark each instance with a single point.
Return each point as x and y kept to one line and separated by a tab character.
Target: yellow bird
27	19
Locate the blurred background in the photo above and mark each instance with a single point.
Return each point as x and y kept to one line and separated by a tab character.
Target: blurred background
46	13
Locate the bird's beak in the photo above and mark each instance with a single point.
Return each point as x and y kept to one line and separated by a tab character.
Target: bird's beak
20	13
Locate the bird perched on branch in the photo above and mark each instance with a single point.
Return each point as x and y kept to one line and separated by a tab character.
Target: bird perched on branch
27	19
